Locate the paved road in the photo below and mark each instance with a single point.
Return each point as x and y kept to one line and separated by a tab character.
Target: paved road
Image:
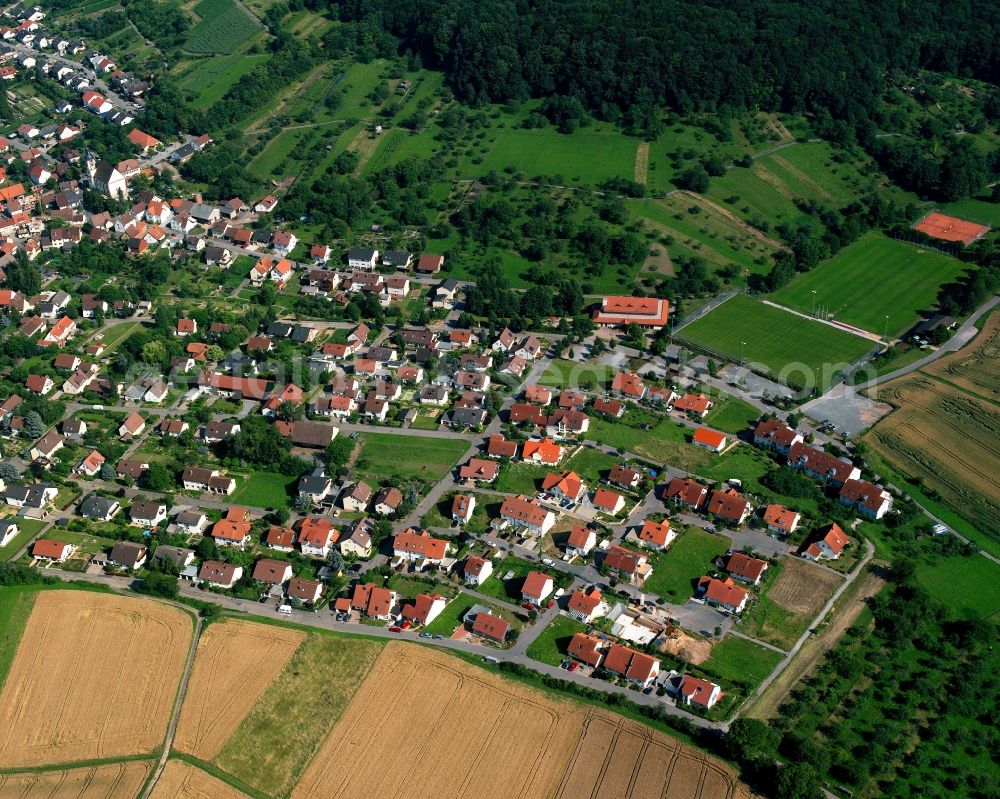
963	336
326	620
787	659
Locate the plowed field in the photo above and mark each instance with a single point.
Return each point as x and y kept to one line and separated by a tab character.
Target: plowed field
803	588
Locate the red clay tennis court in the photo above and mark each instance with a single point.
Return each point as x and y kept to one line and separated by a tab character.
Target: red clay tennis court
951	228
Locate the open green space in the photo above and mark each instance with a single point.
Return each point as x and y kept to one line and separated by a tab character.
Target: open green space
586	156
520	478
573	374
15	607
272	745
210	78
874	278
800	352
737	661
967	586
731	415
550	647
224	26
384	455
676	571
29	528
266	490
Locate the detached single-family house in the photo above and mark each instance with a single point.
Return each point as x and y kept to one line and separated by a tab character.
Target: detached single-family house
536	587
828	546
50	550
745	568
528	514
217	574
586	605
128	555
580	540
698	692
781	520
724	594
147	514
475	570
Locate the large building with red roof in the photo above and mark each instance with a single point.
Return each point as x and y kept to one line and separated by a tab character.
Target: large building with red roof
623	311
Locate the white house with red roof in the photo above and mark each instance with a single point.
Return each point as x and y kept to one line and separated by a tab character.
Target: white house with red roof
828	546
424	608
580	540
698	692
724	594
711	440
529	514
866	498
537	586
781	520
475	570
586	605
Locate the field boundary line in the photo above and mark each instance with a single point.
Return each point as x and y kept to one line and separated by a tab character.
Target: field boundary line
176	713
846	328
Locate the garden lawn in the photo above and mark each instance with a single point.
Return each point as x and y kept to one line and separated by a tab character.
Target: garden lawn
692	555
797	351
740	662
385	455
29	528
591	465
873	278
451	616
510	590
572	374
731	415
266	490
550	647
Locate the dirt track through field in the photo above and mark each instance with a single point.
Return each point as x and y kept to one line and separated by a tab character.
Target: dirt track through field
112	781
181	780
476	735
975	367
94	676
237	660
847	611
733	219
641	162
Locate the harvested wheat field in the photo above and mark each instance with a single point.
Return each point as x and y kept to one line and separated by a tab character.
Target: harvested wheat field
975	367
237	660
180	780
94	676
949	439
802	587
476	735
97	782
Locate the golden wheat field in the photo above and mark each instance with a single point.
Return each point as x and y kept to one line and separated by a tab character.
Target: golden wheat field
97	782
236	660
94	676
949	439
473	734
180	780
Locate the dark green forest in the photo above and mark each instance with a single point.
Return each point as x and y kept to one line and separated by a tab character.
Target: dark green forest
624	60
